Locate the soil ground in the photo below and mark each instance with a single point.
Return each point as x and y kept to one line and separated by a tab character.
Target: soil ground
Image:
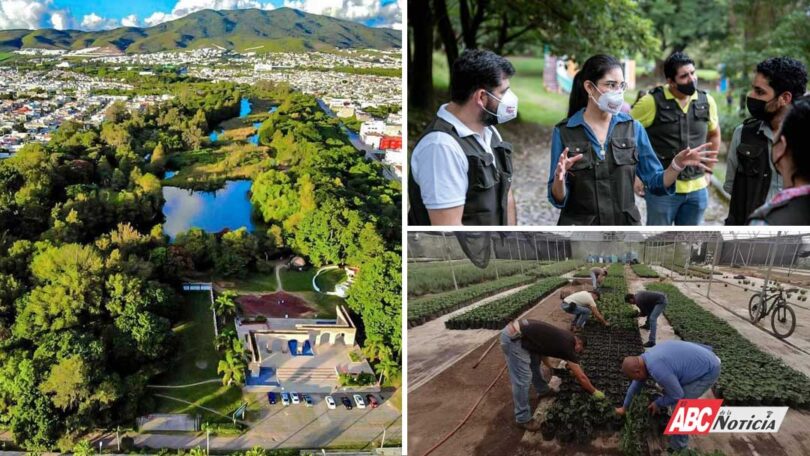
275	305
730	303
439	404
792	438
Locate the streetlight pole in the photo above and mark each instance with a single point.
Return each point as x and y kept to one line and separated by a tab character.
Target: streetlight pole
382	443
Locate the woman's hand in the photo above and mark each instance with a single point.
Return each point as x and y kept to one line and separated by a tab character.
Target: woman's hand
697	156
638	187
564	164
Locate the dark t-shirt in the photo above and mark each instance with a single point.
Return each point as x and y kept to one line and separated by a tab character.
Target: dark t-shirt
647	300
546	340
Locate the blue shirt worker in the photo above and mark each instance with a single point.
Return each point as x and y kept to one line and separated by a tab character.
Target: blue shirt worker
597	152
685	370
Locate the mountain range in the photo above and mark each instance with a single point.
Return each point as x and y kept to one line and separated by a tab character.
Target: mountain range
278	30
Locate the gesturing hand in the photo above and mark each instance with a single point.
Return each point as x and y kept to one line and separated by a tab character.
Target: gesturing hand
697	156
565	163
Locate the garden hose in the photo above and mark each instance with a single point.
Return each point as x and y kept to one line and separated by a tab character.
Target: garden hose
469	414
485	354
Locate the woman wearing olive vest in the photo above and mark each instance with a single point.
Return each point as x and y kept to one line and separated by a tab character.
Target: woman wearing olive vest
597	151
790	155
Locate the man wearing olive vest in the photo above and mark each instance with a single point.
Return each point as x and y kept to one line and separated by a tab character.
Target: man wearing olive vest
751	178
461	169
676	116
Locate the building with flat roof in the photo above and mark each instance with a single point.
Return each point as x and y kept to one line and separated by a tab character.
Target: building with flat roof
305	355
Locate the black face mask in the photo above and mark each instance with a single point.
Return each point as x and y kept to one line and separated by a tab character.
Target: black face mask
757	109
687	89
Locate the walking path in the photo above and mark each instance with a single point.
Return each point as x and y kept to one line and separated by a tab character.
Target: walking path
213	380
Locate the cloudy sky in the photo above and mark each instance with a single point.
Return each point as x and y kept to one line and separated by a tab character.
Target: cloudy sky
106	14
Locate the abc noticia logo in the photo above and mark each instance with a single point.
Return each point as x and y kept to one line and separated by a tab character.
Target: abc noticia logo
702	416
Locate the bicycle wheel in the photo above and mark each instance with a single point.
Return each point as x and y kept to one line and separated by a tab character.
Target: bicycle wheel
783	320
756	307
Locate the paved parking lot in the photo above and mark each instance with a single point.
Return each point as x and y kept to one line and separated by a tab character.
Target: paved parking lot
299	426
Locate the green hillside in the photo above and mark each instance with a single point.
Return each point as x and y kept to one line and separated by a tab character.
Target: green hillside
282	29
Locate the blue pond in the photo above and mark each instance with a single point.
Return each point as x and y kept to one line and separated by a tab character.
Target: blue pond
169	174
228	207
254	139
214	136
264	378
244	107
273	109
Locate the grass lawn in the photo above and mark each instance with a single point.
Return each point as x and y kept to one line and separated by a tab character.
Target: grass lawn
327	280
196	333
6	56
255	282
297	281
324	303
198	168
196	361
224	399
538	105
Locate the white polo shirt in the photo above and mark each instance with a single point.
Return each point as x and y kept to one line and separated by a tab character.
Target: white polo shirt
439	166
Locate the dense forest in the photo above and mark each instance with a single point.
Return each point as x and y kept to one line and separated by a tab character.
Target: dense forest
88	280
332	205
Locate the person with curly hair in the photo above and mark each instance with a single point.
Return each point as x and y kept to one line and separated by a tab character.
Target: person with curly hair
751	177
791	158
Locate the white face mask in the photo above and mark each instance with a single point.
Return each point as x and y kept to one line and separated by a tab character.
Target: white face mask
610	102
507	108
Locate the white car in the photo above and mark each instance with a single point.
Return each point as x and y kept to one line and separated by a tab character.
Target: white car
330	403
295	398
359	400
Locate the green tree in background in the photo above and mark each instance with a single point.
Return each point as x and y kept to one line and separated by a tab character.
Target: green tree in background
576	29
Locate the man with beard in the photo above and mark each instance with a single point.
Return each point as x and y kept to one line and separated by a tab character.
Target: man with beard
461	169
678	115
750	175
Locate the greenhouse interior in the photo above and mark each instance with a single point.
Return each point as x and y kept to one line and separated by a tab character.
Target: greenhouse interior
742	294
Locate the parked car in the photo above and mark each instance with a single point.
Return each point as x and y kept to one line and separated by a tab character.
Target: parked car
372	401
295	398
330	402
346	402
271	397
359	399
285	398
308	400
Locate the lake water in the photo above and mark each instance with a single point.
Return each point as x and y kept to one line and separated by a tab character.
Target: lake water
214	136
228	207
244	107
254	139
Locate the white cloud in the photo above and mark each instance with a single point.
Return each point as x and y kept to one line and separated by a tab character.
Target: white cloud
389	15
60	20
186	7
157	18
93	21
32	14
130	21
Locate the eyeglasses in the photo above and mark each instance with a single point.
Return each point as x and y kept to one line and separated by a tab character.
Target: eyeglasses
614	86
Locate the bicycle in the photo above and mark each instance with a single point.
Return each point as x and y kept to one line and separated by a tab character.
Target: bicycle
783	319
